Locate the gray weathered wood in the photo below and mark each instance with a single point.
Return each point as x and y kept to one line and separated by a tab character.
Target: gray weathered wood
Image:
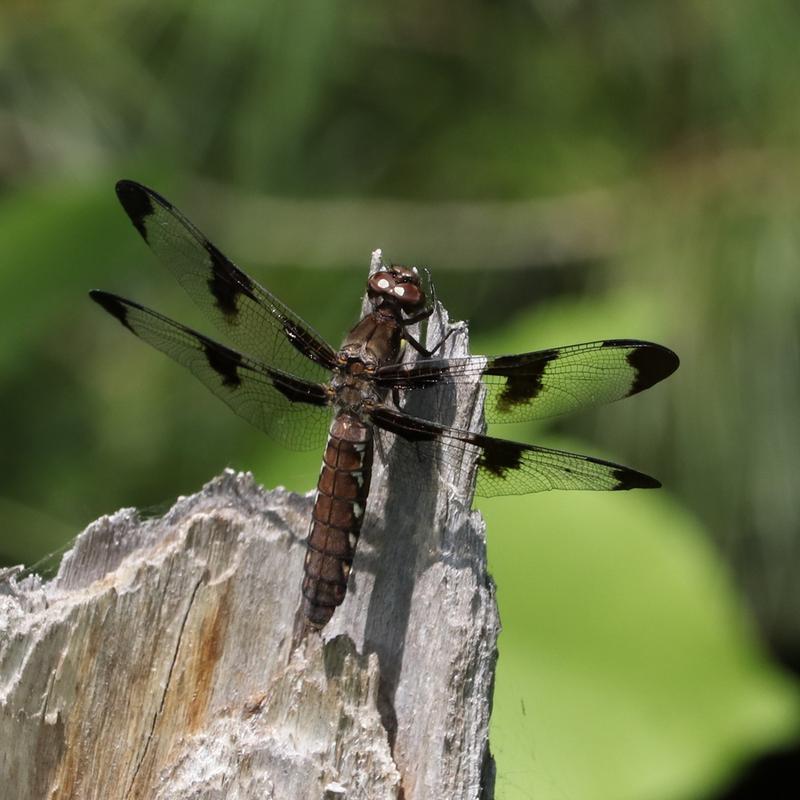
158	663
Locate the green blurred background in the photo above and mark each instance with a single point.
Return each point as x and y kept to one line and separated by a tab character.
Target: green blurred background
570	170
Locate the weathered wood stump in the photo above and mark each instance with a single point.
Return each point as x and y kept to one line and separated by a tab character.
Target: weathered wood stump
158	663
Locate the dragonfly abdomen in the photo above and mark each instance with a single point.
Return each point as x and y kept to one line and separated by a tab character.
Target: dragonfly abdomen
338	513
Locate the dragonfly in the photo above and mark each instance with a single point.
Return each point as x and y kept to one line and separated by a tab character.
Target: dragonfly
288	382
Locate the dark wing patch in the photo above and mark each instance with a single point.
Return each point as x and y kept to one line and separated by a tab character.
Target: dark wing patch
226	285
113	305
503	467
137	204
293	411
544	383
523	380
499	457
631	479
260	324
650	365
399	424
223	361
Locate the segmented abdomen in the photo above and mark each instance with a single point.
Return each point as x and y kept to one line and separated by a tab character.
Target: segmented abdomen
338	512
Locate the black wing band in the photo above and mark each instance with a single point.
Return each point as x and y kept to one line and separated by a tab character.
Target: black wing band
545	383
252	316
505	467
291	410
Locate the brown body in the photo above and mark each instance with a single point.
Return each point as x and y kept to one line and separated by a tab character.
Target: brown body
344	481
338	512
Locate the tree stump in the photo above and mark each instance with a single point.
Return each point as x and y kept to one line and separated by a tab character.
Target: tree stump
159	662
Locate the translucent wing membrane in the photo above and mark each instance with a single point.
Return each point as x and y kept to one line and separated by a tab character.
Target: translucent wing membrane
503	467
293	411
545	383
262	386
252	316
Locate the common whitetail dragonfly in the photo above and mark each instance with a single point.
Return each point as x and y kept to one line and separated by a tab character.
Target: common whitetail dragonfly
289	382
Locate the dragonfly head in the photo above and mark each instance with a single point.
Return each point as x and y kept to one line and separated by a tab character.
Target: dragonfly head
396	286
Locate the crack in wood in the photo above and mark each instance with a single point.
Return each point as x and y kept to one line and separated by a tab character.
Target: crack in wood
166	687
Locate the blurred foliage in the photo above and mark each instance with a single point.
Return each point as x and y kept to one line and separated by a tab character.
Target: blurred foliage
616	169
632	674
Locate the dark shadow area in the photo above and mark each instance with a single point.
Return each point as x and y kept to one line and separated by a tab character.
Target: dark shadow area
774	775
404	546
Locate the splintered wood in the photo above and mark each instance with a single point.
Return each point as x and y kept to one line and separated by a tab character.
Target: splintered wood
159	662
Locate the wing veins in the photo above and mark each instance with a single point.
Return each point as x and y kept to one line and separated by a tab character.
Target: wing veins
506	467
235	303
545	383
292	410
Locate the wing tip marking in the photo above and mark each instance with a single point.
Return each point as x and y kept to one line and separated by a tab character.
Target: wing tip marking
137	202
631	479
113	305
651	363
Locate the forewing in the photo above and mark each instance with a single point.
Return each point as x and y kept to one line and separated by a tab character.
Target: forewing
253	317
503	467
293	411
545	383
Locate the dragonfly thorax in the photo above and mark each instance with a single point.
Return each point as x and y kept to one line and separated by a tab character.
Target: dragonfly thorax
354	388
